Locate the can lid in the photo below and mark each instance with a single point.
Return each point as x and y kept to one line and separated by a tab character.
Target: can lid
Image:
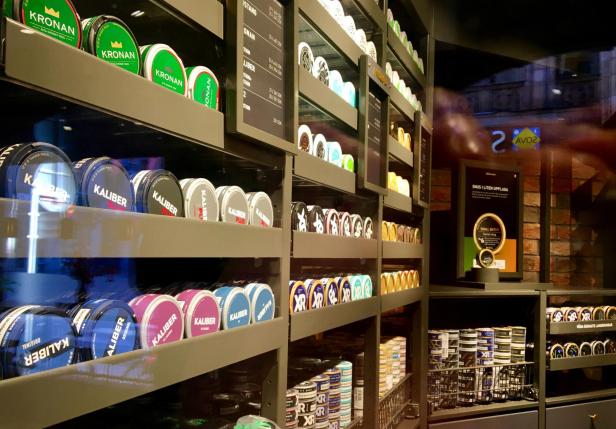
55	18
319	146
103	183
37	171
305	57
203	86
158	192
161	322
260	209
163	66
200	200
299	216
235	309
110	39
304	138
298	298
316	293
201	312
262	302
233	205
35	338
320	70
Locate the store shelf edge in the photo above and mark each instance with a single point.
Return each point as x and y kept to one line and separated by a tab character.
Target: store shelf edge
396	200
210	14
393	300
582	327
322	172
98	233
399	152
398	49
312	322
402	104
83	78
326	99
328	27
582	362
580	397
477	410
396	250
66	393
321	246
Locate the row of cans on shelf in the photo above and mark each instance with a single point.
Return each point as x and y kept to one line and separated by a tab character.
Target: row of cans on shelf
316	293
391	231
313	218
572	349
399	280
575	314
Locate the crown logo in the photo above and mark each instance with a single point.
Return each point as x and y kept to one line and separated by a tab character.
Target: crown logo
116	45
50	11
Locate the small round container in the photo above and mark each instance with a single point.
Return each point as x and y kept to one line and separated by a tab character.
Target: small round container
160	319
357	288
371	51
304	139
103	183
320	70
336	10
104	327
360	39
344	290
201	312
334	153
233	204
598	348
203	86
366	285
305	57
319	147
345	225
349	94
298	297
316	219
571	315
200	201
389	70
33	339
55	18
316	294
158	192
585	349
348	163
110	39
368	228
597	314
572	350
348	25
299	216
234	306
357	226
262	301
336	83
260	209
164	67
390	16
331	291
558	315
37	170
332	222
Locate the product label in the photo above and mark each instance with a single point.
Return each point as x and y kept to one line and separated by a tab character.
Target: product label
79	319
345	291
332	294
205	317
115	44
167	71
264	306
206	91
298	300
238	311
55	18
46	351
238	215
165	197
316	297
165	325
264	220
115	332
168	208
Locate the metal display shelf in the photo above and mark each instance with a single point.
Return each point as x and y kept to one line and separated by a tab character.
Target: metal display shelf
316	13
313	245
439	291
84	232
397	250
393	300
209	14
396	200
313	322
399	50
402	104
477	410
590	326
373	11
582	362
324	98
579	397
73	74
399	152
322	172
62	394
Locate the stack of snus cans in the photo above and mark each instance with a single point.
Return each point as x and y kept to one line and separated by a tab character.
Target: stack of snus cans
313	218
467	359
346	392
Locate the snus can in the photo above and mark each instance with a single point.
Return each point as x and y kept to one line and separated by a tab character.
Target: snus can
234	306
262	302
34	339
260	209
298	297
200	201
103	183
201	312
160	319
158	192
55	18
104	327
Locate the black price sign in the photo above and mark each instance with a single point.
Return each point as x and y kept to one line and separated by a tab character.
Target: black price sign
374	161
263	65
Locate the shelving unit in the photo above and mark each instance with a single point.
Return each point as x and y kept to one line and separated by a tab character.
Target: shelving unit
312	322
400	299
396	200
399	152
398	250
323	173
403	57
209	14
313	245
580	328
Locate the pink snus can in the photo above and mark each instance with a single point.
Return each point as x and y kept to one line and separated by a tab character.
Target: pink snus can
160	319
201	312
